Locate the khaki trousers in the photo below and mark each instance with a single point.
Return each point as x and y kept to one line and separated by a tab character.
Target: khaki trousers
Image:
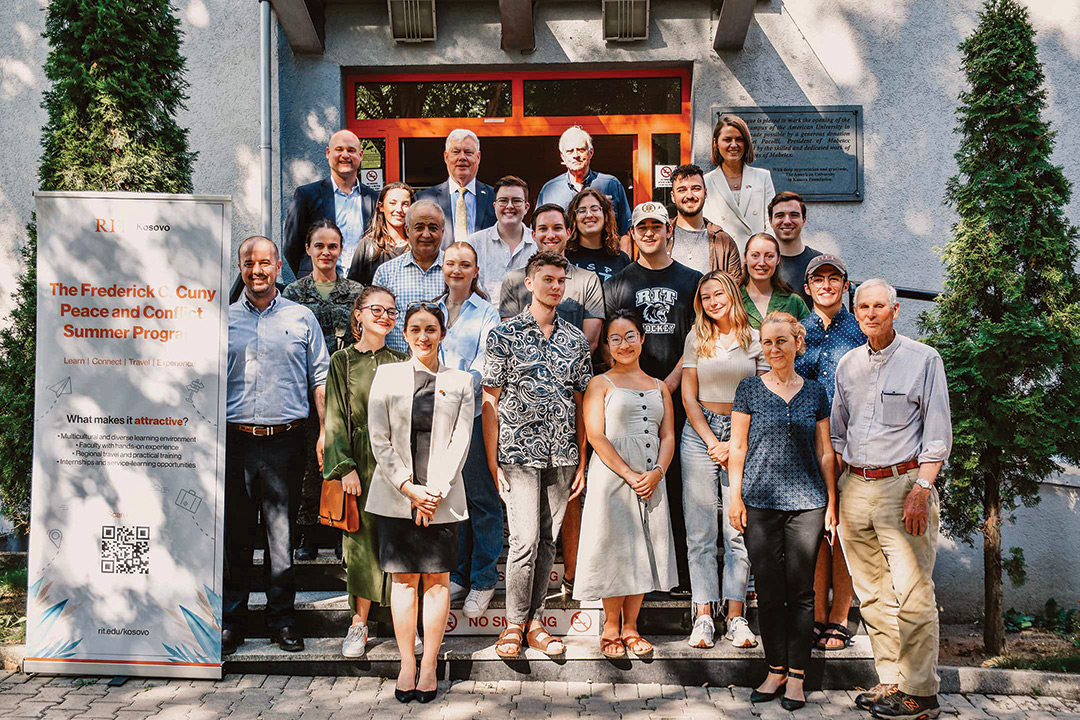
892	572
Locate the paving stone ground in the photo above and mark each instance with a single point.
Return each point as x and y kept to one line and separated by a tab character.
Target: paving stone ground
279	697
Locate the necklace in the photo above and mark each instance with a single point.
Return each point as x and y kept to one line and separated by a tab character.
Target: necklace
790	383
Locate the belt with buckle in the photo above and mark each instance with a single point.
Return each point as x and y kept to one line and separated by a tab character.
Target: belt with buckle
890	471
265	430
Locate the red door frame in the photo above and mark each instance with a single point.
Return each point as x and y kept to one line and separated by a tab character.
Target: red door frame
642	127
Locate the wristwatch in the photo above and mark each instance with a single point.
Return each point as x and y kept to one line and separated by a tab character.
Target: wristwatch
924	483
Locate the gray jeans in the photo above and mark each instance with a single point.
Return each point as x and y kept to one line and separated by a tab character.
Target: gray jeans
535	506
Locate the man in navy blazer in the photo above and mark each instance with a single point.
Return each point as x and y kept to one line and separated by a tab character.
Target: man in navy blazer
340	197
462	156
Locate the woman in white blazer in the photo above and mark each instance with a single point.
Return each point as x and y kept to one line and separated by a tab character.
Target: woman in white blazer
420	419
737	194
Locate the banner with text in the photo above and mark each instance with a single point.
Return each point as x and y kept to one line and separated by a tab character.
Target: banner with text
129	435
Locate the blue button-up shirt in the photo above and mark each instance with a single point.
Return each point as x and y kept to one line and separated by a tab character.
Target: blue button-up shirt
470	205
825	347
349	217
465	344
276	358
560	190
409	283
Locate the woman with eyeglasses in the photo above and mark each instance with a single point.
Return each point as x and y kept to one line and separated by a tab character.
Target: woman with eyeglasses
470	317
626	547
763	289
421	420
720	351
347	454
594	236
386	238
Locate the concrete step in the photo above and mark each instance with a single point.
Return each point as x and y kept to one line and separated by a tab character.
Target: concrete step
474	658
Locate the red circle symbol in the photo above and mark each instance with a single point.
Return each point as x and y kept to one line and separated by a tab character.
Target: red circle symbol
665	171
372	175
581	622
451	622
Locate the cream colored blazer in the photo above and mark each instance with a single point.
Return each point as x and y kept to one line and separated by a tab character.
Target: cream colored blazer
747	217
390	428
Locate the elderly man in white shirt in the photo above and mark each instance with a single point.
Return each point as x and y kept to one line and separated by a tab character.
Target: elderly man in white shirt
508	244
892	428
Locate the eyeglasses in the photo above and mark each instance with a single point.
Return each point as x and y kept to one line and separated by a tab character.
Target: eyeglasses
630	338
590	210
378	311
819	280
516	202
425	304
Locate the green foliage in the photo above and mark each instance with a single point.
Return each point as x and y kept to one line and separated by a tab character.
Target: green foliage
1016	621
1014	566
1053	619
1055	663
116	77
1008	323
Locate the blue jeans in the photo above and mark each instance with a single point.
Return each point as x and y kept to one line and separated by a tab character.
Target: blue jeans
480	538
705	494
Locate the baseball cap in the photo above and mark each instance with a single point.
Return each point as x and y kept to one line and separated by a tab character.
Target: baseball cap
649	211
826	259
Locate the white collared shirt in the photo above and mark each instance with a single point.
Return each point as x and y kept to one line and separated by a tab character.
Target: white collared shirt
495	259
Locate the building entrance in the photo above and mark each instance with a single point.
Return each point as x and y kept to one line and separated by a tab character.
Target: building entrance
638	118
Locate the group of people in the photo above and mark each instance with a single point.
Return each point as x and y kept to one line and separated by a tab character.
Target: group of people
644	396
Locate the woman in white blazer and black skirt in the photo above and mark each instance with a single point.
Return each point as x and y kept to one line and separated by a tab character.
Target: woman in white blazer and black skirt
737	194
420	417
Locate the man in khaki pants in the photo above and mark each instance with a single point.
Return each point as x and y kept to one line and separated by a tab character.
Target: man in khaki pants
892	429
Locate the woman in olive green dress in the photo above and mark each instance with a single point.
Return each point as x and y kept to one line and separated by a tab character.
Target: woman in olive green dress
347	450
763	290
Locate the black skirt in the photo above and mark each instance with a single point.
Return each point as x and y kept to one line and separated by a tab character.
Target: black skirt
405	547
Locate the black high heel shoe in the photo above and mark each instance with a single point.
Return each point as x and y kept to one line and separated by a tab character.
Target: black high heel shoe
405	696
791	704
757	696
425	696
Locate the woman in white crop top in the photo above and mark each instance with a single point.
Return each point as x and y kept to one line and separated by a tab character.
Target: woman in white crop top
721	350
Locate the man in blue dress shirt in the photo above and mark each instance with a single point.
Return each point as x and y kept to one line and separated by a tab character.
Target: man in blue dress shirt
576	149
277	356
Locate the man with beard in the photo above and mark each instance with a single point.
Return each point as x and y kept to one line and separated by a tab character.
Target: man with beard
696	242
535	377
277	357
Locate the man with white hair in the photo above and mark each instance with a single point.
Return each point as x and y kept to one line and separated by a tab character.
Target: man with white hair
467	203
576	149
892	430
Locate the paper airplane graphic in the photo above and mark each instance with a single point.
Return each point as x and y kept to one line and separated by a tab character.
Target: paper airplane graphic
61	388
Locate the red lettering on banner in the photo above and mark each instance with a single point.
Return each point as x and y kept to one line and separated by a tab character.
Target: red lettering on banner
550	621
554	576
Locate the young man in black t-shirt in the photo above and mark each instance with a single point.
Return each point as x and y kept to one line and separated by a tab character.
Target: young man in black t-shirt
661	291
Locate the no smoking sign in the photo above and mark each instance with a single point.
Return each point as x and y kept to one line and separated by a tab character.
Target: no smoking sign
372	177
662	175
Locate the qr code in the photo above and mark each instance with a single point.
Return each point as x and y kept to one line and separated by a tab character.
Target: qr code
125	550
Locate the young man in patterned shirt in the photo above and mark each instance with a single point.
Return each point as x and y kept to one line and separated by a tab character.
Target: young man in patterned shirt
538	366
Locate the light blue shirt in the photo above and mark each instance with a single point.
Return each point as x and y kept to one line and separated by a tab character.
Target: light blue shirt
276	358
470	205
494	258
349	217
403	277
465	344
560	190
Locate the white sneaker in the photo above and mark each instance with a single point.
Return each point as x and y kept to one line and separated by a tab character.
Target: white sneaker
702	634
355	644
739	633
457	592
477	602
418	645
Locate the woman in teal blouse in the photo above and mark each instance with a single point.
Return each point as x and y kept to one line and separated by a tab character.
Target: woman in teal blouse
763	291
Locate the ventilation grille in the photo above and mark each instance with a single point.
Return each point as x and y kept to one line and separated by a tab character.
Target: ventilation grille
626	20
412	21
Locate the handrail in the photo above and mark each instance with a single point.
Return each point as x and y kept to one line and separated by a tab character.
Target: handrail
901	292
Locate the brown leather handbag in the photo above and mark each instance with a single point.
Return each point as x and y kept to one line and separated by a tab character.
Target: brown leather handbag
336	507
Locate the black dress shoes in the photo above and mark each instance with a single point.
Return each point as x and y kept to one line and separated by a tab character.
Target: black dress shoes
404	696
288	639
230	641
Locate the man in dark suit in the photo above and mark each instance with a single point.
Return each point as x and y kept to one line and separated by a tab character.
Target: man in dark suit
462	191
340	197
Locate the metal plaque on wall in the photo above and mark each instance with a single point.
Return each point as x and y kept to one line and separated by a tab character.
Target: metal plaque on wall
814	151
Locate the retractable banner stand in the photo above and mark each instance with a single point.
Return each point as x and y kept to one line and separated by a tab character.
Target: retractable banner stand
126	529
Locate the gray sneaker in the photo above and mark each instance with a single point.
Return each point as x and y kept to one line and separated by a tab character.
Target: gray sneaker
457	592
355	644
703	634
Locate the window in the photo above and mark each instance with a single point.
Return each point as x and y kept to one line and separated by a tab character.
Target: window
603	96
453	99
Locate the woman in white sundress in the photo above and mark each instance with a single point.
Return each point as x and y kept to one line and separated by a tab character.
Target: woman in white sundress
626	548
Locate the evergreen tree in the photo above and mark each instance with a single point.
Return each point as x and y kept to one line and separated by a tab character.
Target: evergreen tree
116	77
1008	322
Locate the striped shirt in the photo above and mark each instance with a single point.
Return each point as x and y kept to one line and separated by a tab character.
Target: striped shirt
409	283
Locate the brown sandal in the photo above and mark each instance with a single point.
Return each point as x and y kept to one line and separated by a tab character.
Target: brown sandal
510	636
638	645
543	644
613	649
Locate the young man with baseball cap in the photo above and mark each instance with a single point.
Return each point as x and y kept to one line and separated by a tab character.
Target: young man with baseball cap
661	291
